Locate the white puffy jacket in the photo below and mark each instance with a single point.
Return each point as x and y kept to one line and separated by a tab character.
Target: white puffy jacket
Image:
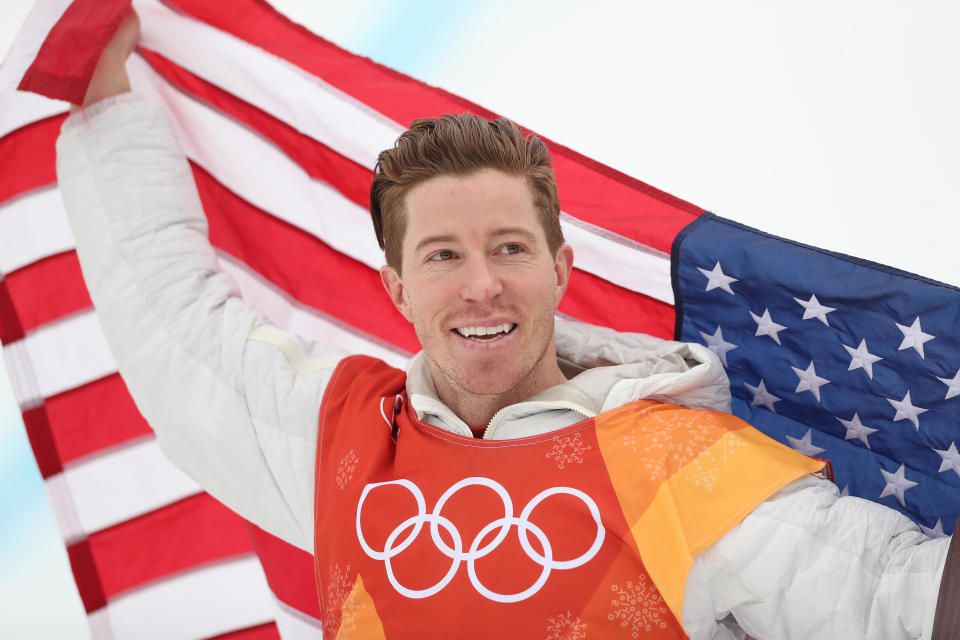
234	402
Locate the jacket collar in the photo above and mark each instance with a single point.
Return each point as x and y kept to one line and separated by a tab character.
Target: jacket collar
606	369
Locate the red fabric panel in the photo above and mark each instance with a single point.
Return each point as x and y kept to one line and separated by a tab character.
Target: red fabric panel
48	289
42	441
318	160
30	150
86	576
302	265
69	54
597	301
289	571
96	416
260	632
173	536
628	207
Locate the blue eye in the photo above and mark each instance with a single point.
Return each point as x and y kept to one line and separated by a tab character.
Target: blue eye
511	249
441	256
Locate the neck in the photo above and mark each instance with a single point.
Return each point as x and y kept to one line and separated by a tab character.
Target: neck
478	409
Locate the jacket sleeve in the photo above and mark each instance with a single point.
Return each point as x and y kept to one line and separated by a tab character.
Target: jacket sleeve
233	400
809	564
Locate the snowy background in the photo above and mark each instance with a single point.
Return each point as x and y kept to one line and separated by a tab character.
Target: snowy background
831	123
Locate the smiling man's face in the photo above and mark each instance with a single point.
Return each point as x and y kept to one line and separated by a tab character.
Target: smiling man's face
480	286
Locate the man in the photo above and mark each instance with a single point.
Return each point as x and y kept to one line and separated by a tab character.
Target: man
588	435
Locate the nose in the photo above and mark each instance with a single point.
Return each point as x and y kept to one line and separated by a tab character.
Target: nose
480	281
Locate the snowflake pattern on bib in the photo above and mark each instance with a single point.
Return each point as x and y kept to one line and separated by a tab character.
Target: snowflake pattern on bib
566	626
638	606
667	441
568	450
704	468
338	587
346	468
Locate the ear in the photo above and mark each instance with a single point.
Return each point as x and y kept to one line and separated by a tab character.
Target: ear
393	284
563	267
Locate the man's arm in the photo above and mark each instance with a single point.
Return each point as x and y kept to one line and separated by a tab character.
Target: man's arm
808	564
234	401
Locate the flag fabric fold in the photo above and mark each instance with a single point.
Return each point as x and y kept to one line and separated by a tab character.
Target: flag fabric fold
148	547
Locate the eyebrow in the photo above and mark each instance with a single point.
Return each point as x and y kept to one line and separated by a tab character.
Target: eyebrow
451	238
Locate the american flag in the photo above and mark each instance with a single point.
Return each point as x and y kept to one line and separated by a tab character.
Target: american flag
151	551
837	357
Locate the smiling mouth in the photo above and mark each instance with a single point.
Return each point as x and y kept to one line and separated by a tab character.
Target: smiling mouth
486	334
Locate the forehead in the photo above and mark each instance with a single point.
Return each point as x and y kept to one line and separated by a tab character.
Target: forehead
464	205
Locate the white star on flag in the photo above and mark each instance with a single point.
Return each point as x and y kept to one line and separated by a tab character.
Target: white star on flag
813	309
913	336
953	385
856	429
805	445
936	531
951	459
860	358
809	380
717	279
718	345
906	410
762	396
897	483
766	326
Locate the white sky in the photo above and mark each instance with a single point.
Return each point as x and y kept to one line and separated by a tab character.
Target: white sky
828	122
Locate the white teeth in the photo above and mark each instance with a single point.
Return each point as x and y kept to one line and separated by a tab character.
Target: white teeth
469	332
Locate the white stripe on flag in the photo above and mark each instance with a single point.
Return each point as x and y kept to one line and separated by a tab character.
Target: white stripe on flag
29	39
67	353
18	109
109	488
64	511
201	603
307	103
33	227
621	261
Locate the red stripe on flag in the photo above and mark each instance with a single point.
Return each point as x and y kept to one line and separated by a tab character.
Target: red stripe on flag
303	266
266	631
48	289
96	416
166	541
289	571
588	190
318	160
69	54
30	151
10	327
86	576
594	300
42	441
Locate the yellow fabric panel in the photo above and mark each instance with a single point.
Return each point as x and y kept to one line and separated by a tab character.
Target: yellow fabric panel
685	477
359	618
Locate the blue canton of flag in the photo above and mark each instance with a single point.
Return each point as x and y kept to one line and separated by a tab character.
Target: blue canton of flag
839	358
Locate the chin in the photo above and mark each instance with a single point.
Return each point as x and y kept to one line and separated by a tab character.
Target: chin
488	381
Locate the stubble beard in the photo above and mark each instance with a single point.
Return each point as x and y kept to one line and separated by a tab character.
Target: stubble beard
464	389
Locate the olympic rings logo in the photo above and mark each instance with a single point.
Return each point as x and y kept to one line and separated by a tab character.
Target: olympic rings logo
476	550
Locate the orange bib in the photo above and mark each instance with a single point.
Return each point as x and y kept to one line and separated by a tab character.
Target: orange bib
585	532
